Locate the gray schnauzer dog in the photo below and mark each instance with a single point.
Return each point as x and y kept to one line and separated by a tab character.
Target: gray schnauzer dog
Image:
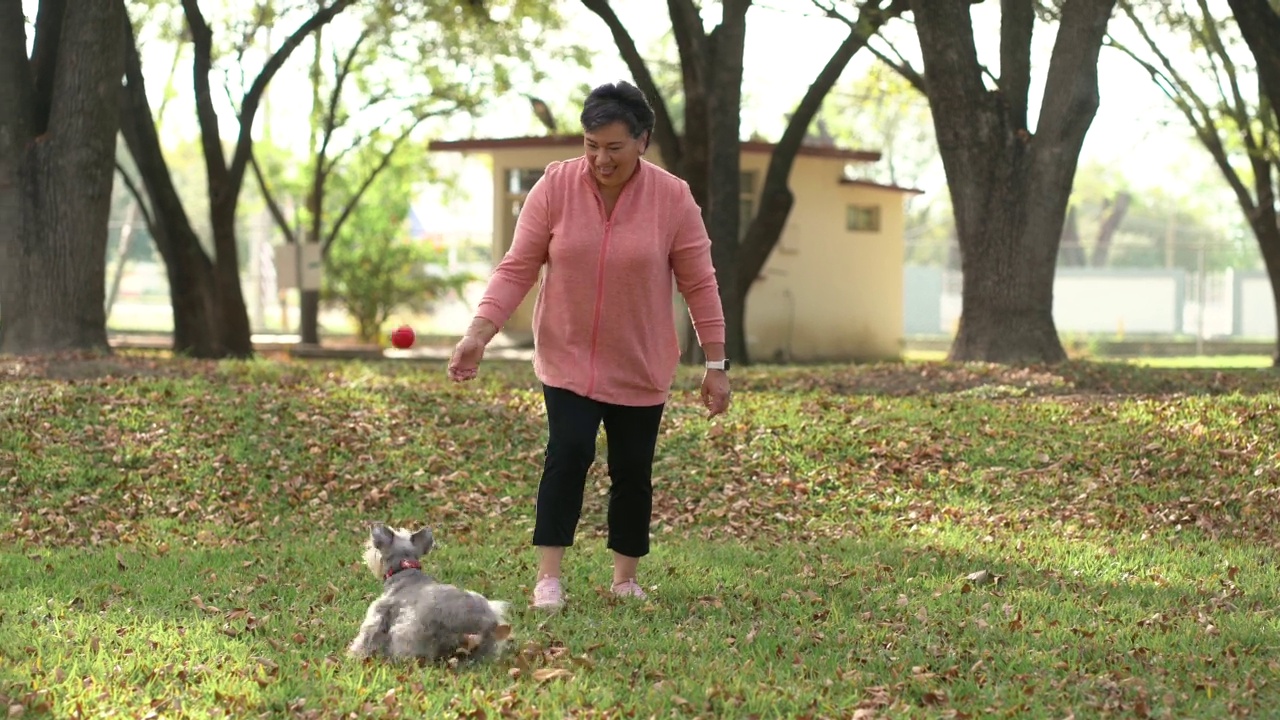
418	617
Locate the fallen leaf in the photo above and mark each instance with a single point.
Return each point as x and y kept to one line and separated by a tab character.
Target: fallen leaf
543	675
983	577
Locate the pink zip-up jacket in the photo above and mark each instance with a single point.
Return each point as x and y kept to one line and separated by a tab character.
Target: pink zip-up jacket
603	322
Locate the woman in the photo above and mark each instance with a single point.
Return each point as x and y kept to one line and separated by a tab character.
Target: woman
610	229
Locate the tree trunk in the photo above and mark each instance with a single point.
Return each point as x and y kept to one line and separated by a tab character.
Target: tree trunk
53	278
727	45
17	117
692	156
192	291
309	315
1009	189
322	123
234	315
1259	24
1269	241
1107	232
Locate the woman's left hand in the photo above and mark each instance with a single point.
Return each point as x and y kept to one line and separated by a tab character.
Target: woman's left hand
715	391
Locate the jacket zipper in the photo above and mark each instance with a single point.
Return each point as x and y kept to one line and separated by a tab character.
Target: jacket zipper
595	321
604	248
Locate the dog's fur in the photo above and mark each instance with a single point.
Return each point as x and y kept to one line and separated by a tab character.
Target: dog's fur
418	617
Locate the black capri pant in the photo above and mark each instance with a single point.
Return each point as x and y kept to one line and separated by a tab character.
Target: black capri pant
632	434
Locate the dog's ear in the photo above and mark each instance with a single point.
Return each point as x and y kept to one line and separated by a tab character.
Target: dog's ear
381	536
423	540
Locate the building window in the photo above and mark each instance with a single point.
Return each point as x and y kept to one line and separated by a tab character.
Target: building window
520	180
862	218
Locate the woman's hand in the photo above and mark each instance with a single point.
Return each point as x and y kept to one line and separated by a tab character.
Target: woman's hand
470	349
466	358
715	391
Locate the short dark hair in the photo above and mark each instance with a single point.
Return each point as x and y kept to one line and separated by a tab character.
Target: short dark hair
618	102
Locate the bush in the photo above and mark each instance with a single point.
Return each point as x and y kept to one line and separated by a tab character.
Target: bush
376	272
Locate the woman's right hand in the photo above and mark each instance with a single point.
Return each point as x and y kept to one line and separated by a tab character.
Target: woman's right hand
466	358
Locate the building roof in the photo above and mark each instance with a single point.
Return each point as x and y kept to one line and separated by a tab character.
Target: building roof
855	182
752	146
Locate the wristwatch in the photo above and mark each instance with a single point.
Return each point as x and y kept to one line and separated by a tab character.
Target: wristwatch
718	364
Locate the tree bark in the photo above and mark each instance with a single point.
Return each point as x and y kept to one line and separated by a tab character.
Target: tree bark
1260	26
192	291
1009	188
17	118
58	161
726	45
1269	241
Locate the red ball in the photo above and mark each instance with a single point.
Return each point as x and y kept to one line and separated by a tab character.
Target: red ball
402	337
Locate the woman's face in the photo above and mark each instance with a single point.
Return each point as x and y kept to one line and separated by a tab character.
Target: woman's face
613	153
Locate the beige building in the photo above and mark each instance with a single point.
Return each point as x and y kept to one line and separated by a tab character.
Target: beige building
831	290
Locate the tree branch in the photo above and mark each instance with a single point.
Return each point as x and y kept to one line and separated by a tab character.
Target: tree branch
902	66
664	130
253	98
272	206
44	57
16	109
1184	98
368	181
342	72
1259	24
1017	23
1233	102
136	192
1071	84
951	67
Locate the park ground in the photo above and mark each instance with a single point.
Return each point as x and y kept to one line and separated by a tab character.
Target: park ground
899	540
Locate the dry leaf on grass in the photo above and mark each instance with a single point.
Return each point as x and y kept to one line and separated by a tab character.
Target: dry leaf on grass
543	675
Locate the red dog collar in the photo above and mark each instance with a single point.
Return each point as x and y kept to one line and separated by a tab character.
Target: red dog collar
404	565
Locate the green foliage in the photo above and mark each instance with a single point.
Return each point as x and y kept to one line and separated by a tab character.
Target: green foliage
374	267
923	540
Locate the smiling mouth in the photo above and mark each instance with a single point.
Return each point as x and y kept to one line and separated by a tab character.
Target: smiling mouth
605	171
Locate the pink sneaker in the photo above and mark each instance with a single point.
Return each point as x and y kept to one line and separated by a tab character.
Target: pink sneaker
547	594
629	588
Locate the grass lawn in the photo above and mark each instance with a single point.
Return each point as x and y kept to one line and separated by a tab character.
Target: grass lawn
914	540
